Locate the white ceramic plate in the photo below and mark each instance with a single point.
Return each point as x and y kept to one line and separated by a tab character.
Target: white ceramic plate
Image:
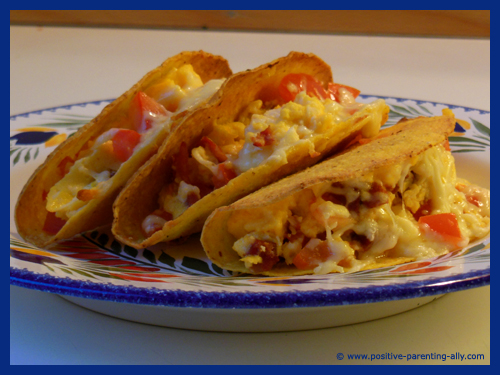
179	287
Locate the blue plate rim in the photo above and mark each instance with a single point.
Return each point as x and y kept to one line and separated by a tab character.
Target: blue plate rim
248	300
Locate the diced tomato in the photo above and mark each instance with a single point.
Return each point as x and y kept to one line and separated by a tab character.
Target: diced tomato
214	149
65	164
446	225
264	138
267	251
225	175
180	162
333	91
87	194
294	83
376	200
143	109
124	142
309	258
52	224
474	200
446	145
192	198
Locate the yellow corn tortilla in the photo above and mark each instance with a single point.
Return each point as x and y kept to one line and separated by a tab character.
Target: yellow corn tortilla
140	197
30	212
393	146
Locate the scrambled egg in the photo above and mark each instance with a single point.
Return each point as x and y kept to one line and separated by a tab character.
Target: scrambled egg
179	90
358	234
294	122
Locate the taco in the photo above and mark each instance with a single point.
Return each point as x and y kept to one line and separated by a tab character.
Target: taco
262	125
74	189
391	200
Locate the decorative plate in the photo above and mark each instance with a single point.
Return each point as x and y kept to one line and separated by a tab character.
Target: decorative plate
177	286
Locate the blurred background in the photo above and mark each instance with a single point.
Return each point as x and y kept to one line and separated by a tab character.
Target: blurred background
432	23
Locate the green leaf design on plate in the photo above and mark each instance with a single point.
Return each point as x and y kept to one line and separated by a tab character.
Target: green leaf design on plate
66	124
50	268
475	248
66	271
149	255
463	140
16	159
27	157
130	251
167	259
217	269
36	153
464	151
425	109
482	137
84	274
12	150
197	265
66	121
480	127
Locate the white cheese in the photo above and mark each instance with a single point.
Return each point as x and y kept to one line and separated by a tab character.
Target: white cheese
178	204
295	122
199	95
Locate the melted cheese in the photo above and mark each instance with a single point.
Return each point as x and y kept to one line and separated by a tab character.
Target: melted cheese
390	226
200	94
180	90
293	123
92	171
177	204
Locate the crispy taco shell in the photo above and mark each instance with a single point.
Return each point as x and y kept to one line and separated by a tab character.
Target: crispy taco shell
140	197
30	212
393	146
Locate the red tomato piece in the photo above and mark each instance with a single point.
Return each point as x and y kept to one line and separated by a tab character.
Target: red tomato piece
53	224
124	142
267	251
264	138
474	200
446	145
65	164
294	83
309	258
333	91
192	198
142	110
87	194
214	149
446	225
225	175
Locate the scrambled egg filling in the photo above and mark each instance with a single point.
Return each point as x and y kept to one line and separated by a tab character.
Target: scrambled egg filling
259	136
90	175
293	123
343	227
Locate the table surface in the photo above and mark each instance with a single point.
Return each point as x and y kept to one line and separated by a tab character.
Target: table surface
57	66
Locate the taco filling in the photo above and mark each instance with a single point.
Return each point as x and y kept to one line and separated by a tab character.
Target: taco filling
417	209
150	112
263	133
